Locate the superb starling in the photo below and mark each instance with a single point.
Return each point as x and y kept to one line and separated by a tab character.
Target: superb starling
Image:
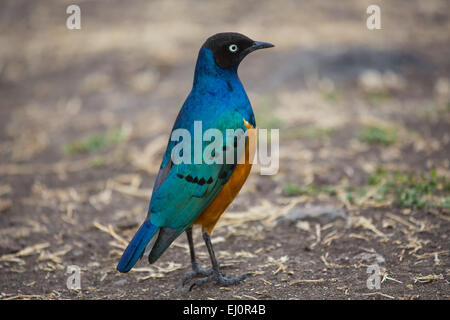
189	193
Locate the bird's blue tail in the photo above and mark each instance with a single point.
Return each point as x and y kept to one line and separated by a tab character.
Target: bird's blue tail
137	246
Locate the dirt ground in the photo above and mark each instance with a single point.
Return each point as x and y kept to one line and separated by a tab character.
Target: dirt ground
363	181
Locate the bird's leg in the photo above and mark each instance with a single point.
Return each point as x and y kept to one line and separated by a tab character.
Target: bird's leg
196	268
216	274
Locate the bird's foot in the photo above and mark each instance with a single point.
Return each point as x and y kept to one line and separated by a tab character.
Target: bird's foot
196	271
219	278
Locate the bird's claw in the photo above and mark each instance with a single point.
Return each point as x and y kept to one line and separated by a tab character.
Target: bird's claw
219	278
196	271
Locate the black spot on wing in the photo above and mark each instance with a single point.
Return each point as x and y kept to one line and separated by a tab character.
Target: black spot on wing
226	172
200	181
223	174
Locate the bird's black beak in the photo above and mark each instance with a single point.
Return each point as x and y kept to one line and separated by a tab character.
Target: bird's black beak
256	46
261	45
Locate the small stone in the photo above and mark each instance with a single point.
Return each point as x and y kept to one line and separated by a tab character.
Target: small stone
320	213
370	258
8	246
77	252
120	282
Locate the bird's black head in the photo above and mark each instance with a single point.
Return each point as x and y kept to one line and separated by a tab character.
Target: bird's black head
229	48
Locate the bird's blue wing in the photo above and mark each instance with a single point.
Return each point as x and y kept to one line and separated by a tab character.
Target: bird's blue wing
182	191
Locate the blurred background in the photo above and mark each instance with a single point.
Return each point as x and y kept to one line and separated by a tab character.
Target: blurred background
364	119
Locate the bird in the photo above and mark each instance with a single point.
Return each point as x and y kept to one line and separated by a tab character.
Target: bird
186	194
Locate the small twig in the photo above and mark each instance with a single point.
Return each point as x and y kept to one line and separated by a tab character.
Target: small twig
429	278
386	277
378	294
109	229
401	220
306	281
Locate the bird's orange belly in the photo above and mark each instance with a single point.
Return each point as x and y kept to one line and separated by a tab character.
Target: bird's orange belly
212	213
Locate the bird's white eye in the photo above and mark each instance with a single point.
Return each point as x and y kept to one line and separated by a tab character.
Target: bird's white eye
233	48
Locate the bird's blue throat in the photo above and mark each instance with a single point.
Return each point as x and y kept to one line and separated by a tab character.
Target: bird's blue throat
213	83
209	74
